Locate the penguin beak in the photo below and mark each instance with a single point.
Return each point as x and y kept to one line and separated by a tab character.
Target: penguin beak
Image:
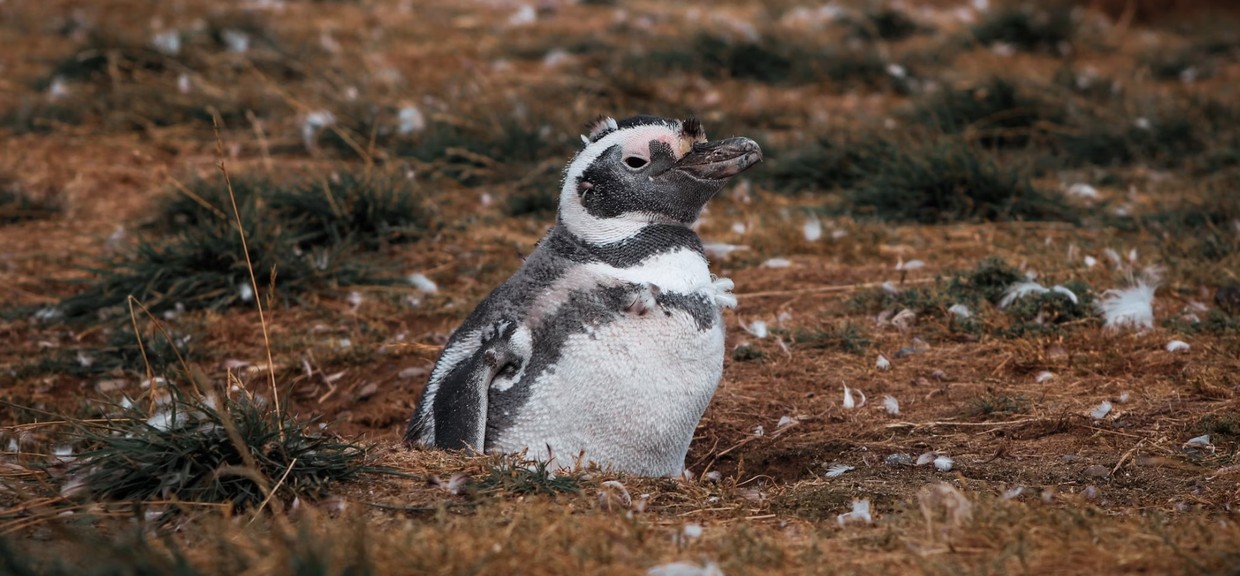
720	160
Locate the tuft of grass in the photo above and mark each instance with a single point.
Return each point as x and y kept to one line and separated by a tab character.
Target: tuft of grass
986	282
205	267
882	23
1224	426
993	403
995	113
371	210
206	449
17	204
1166	140
846	336
121	350
1028	28
827	164
747	353
514	475
771	59
948	180
1041	313
303	238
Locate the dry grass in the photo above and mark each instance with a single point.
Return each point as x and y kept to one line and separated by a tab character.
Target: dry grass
904	134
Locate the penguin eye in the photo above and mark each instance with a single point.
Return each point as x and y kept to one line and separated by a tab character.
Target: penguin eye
635	162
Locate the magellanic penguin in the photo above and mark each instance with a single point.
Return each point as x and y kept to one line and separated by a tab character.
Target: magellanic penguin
608	341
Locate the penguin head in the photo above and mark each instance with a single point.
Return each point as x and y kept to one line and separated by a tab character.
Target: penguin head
646	170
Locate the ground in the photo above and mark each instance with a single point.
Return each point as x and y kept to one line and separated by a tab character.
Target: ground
919	156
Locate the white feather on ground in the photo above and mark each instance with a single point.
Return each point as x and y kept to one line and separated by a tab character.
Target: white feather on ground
1021	289
860	513
892	405
1101	410
1128	307
837	470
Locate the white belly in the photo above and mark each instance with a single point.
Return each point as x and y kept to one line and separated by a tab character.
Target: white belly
629	394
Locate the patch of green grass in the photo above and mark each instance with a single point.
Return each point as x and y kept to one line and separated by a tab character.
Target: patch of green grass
827	164
883	23
513	475
986	282
305	237
17	204
1202	229
1225	426
993	403
372	210
994	113
948	180
1041	313
747	353
845	336
212	449
119	351
1028	27
771	59
1215	322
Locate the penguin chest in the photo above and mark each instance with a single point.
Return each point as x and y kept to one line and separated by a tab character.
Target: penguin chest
622	372
628	393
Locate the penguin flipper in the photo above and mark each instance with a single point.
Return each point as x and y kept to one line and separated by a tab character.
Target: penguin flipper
460	405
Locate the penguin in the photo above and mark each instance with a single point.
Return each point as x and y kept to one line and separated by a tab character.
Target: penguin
608	343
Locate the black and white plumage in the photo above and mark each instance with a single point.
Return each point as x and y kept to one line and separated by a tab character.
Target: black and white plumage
609	340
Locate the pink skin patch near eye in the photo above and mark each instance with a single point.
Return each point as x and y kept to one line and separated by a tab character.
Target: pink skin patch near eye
637	143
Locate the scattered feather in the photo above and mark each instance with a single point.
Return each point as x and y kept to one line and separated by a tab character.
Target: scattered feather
926	458
1123	397
722	249
1100	411
245	292
1128	307
785	421
812	229
860	514
452	485
1066	292
238	42
1082	191
961	311
905	319
902	266
1113	256
1200	443
943	463
1044	377
714	476
1090	261
890	287
849	403
837	470
1177	346
757	328
411	120
421	282
758	431
777	263
314	123
892	405
685	569
882	363
1013	492
692	531
1020	290
524	16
